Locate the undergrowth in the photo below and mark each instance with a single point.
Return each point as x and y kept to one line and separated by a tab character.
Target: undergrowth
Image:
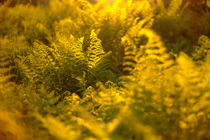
104	70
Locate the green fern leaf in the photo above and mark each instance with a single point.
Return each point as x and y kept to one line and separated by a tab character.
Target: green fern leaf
95	52
154	49
7	69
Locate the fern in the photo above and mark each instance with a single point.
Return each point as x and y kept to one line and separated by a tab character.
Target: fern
129	55
131	43
98	61
95	52
8	70
58	62
152	50
62	60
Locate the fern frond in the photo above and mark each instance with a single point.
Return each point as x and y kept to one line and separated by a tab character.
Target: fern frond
95	52
98	61
38	62
70	50
154	49
136	53
129	60
7	69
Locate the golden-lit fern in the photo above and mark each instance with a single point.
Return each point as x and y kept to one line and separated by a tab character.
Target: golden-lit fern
132	41
95	52
37	61
97	58
62	61
63	65
129	60
98	61
8	69
153	49
71	82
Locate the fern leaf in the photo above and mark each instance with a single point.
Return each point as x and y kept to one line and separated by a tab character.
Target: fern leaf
129	60
154	49
7	69
95	52
135	53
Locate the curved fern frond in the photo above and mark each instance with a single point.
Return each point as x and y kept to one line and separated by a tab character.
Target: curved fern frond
136	53
7	69
154	49
95	52
70	50
98	61
37	62
129	60
8	74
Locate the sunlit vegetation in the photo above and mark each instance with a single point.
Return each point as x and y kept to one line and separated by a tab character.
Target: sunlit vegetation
105	70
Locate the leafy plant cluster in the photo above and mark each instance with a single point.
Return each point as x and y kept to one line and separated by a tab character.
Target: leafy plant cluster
104	70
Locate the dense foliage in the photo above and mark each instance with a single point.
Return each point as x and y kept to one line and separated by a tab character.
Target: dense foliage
105	70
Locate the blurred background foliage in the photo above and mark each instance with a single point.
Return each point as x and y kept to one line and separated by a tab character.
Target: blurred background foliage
104	70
